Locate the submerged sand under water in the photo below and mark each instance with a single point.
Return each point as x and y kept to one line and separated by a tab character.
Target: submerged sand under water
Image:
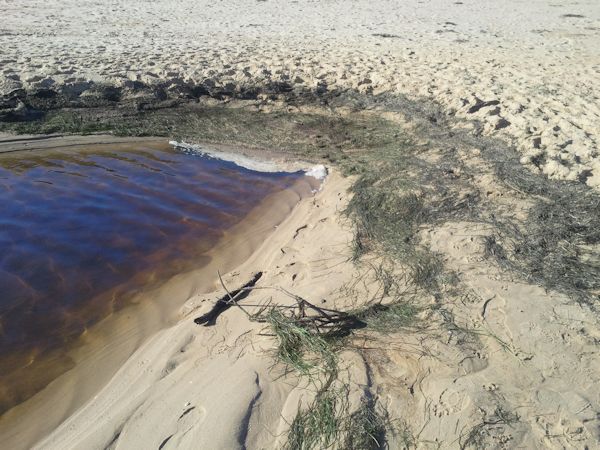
84	233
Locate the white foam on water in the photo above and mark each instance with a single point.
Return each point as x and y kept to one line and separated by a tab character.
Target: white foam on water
319	171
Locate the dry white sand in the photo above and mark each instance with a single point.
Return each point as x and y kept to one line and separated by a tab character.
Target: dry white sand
529	70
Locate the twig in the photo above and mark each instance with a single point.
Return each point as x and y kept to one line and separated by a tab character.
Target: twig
298	230
225	302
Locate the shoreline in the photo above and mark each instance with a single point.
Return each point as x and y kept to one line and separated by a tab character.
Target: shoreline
106	346
194	386
480	64
464	241
473	313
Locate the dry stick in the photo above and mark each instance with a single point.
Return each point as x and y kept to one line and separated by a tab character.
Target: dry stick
322	311
223	304
223	284
325	318
302	303
298	230
233	298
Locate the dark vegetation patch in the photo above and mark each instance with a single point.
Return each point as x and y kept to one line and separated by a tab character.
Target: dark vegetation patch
557	246
302	348
386	35
326	424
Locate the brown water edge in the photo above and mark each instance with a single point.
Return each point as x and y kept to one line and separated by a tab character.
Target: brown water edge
33	345
96	356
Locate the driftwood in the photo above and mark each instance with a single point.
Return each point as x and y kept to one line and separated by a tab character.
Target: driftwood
322	320
303	313
227	301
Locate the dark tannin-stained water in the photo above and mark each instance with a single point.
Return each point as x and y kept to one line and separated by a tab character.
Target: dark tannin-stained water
80	232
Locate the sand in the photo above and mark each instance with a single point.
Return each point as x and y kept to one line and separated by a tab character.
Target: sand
525	71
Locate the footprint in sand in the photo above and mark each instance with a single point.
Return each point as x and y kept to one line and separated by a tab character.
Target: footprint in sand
450	402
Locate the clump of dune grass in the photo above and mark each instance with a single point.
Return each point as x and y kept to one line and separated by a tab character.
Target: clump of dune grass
556	247
391	318
319	425
366	428
559	245
327	423
300	347
397	193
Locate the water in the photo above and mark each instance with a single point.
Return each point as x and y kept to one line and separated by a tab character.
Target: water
81	232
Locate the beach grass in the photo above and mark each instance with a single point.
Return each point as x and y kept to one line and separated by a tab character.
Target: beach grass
327	423
391	318
319	425
301	348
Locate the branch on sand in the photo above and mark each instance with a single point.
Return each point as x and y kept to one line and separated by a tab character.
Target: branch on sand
304	313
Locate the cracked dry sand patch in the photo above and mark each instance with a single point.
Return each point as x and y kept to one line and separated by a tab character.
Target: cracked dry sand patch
535	88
